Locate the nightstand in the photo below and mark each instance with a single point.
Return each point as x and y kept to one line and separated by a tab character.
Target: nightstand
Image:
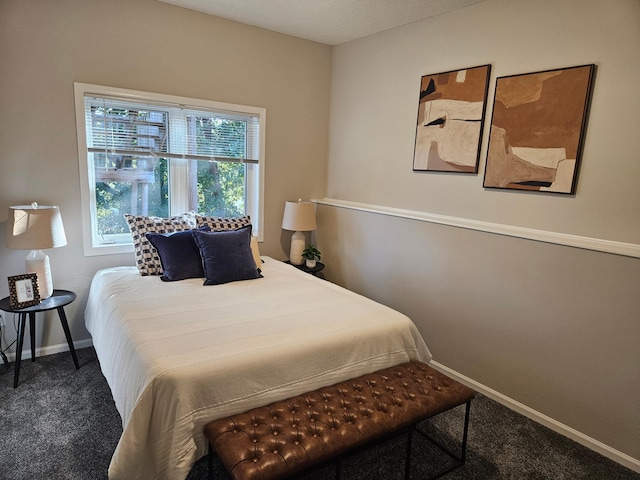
58	300
315	271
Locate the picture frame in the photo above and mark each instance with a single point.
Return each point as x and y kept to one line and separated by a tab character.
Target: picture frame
23	290
450	123
537	130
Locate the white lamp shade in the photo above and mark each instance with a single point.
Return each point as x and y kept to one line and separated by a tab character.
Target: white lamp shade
34	227
299	216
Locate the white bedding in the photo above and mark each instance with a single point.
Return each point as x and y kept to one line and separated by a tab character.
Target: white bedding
178	355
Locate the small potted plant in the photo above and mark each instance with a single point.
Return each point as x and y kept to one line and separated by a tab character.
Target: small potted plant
311	255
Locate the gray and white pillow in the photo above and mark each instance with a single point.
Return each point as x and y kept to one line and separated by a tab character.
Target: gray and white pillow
221	224
147	258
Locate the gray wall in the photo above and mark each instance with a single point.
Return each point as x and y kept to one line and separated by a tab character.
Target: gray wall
555	328
46	46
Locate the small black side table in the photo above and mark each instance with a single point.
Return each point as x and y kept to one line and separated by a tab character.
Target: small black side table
315	271
58	300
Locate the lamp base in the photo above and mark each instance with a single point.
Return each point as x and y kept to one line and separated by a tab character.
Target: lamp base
38	262
297	247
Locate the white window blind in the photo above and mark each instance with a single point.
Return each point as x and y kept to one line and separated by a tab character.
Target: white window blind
162	155
131	129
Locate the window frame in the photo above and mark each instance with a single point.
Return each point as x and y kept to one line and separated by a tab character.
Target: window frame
254	178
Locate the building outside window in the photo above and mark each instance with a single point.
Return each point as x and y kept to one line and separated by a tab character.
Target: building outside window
160	155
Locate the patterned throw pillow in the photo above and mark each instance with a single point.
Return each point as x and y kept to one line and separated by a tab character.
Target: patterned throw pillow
220	224
147	258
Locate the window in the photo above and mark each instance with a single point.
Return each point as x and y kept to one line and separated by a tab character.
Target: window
161	155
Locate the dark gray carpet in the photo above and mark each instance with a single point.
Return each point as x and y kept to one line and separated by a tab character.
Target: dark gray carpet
62	424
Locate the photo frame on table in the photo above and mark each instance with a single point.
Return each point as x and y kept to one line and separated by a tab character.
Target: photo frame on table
451	111
23	290
537	130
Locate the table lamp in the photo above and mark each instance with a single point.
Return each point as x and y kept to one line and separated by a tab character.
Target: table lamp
300	217
35	227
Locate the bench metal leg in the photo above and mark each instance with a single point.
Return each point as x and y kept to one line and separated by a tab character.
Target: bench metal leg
459	458
210	462
465	433
407	464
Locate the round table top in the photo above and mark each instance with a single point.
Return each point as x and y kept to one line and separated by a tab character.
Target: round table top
58	299
319	266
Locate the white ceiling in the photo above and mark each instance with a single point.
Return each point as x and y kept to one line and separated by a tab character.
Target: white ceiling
325	21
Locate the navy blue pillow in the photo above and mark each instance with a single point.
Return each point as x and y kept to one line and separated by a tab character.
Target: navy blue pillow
179	255
226	256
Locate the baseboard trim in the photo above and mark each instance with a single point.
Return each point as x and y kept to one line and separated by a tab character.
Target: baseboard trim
51	349
588	243
581	438
573	434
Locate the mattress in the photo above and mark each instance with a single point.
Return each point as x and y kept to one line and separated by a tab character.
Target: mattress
178	355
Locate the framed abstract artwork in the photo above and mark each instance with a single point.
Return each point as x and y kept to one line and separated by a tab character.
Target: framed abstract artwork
450	121
537	130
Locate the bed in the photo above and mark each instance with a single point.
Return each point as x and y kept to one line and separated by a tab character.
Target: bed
178	355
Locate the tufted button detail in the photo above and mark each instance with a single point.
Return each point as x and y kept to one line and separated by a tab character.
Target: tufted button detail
353	412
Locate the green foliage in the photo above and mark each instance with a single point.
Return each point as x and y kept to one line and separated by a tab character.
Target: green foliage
219	186
311	253
221	189
111	199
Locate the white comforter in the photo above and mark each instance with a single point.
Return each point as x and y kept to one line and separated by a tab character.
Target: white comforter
179	355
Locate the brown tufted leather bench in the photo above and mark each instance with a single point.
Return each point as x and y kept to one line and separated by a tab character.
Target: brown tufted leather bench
290	436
